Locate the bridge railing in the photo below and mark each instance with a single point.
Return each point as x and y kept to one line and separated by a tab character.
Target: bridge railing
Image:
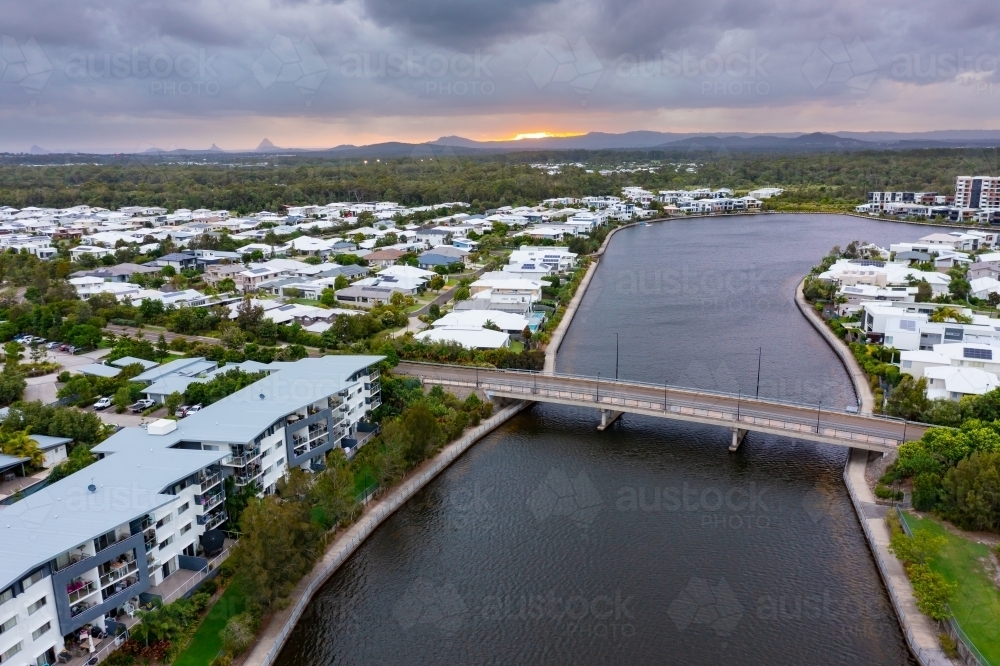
605	381
691	409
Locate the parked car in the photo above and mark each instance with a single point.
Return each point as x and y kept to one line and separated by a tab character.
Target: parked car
194	408
72	350
182	411
103	403
64	347
141	405
53	345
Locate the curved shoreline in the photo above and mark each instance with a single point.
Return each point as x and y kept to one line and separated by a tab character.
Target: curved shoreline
920	633
277	631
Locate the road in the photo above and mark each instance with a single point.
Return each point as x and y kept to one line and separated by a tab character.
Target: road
808	422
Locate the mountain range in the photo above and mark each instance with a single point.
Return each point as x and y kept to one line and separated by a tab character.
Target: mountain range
683	143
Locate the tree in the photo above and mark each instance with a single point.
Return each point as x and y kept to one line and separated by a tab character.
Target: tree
422	430
437	283
168	271
122	399
341	282
20	445
161	346
174	400
490	325
227	285
277	548
328	297
462	293
248	315
434	311
909	399
993	298
942	315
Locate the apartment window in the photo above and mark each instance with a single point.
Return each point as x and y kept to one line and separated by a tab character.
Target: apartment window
888	339
8	625
33	608
166	542
280	462
165	520
32	579
10	653
907	364
6	595
183	507
41	630
185	528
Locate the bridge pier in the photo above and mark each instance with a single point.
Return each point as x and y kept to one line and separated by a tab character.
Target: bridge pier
738	435
608	416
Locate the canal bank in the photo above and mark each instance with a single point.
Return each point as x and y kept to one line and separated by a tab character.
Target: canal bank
917	627
277	630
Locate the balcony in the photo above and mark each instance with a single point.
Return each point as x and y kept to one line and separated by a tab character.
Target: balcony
209	502
248	475
76	609
80	589
212	521
243	459
210	482
118	573
76	555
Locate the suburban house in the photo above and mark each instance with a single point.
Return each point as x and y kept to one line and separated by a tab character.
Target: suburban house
471	337
384	257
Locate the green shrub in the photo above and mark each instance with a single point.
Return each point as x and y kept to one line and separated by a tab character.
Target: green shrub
931	590
209	587
926	490
239	633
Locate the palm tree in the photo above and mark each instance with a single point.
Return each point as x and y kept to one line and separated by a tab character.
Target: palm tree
941	315
20	445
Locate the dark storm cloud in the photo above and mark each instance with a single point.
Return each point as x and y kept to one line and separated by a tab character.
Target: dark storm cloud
148	62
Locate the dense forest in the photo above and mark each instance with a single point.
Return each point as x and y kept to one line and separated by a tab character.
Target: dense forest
253	183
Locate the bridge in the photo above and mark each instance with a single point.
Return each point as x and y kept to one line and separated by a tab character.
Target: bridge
737	412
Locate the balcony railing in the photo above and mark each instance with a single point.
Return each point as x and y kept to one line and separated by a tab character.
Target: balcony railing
213	520
81	592
121	572
209	502
76	609
209	482
74	557
243	459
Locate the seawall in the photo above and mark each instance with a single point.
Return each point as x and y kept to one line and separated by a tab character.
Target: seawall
265	651
858	378
920	633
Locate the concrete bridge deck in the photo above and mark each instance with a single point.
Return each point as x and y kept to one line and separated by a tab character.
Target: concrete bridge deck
739	413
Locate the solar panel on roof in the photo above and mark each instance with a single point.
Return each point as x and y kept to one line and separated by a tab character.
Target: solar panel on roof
982	354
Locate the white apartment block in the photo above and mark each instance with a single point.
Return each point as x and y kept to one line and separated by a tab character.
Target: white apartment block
977	192
87	549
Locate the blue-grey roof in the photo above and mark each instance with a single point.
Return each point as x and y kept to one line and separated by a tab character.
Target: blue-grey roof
6	461
130	360
99	370
434	259
240	417
186	366
64	515
47	442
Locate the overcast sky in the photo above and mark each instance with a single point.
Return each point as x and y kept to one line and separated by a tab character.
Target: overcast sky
126	75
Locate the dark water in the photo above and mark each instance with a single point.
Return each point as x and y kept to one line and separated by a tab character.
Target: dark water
649	543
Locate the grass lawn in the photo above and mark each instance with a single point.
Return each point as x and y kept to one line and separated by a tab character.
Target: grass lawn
976	603
303	301
516	346
206	644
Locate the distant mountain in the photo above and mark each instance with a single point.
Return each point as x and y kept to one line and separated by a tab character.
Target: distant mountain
216	149
38	150
817	141
266	146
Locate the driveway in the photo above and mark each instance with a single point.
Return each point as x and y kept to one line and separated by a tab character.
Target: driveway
44	388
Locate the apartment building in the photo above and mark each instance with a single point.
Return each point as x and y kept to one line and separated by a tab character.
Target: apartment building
977	192
87	549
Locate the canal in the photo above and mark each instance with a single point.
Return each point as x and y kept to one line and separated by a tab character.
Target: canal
549	542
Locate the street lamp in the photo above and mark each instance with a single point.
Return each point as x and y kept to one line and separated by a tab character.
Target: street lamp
598	398
739	396
818	405
758	371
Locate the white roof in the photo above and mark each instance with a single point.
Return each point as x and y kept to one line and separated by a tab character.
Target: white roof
967	381
924	356
507	321
407	271
985	285
473	338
